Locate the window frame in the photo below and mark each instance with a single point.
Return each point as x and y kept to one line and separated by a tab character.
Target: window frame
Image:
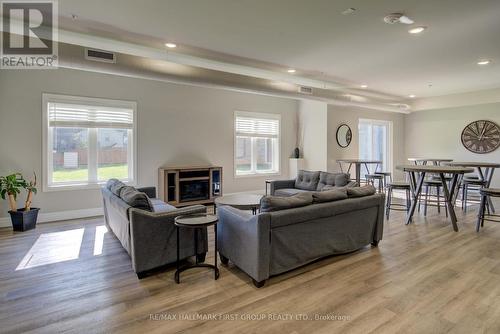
277	155
390	140
47	162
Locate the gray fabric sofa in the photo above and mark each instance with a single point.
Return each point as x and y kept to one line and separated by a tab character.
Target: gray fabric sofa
310	181
148	234
272	243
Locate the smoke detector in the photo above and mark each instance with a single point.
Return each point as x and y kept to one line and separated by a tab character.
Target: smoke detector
398	18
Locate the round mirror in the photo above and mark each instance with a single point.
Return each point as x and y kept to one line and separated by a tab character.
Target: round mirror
344	135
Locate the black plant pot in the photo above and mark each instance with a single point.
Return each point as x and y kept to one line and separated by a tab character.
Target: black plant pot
24	220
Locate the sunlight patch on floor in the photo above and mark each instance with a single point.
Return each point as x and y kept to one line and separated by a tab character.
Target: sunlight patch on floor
100	231
53	248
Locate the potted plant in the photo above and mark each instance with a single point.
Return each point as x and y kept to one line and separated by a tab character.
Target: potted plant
23	219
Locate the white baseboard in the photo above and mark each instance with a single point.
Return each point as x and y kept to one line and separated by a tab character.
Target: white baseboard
45	217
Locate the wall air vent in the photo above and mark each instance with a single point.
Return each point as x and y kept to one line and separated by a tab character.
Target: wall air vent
99	55
305	90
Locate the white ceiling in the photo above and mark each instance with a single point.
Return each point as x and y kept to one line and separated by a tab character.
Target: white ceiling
316	39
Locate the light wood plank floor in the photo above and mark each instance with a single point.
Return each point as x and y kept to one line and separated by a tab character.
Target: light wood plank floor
422	278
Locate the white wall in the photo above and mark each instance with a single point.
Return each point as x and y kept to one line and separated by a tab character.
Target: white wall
177	124
436	133
313	130
350	115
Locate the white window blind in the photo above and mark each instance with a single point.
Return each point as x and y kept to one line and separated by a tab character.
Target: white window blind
257	127
89	116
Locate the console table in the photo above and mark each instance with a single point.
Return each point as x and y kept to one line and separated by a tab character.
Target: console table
416	185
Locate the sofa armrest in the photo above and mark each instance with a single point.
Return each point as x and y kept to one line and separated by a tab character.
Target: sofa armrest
244	239
153	237
149	191
281	184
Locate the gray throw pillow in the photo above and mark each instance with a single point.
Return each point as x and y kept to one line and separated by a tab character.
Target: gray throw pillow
116	187
361	191
136	199
276	203
307	180
342	179
329	195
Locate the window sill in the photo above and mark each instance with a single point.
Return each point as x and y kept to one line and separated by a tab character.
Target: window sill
84	186
244	176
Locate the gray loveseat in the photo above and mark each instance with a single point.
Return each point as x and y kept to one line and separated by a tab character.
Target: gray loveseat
145	226
310	181
274	242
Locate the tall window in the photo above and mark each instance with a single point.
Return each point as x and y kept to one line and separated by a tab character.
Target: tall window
87	141
375	142
256	149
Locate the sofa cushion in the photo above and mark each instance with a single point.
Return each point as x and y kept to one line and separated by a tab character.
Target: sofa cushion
329	195
361	191
332	179
276	203
307	180
116	187
160	206
110	183
135	198
286	192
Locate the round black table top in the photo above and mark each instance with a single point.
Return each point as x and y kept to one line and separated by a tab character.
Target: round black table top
435	169
476	164
359	161
240	201
196	220
430	159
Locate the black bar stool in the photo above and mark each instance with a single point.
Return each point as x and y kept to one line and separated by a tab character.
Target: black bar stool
431	199
486	193
370	178
468	184
386	175
397	206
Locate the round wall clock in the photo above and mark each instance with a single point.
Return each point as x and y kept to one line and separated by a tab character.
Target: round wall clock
481	136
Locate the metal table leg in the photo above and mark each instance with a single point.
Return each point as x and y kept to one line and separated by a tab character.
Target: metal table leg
449	198
416	193
358	173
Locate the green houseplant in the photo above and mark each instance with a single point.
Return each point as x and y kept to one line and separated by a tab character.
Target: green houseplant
25	218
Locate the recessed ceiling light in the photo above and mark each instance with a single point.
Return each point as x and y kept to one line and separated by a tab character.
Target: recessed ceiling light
483	62
348	11
291	70
170	45
417	30
412	96
364	86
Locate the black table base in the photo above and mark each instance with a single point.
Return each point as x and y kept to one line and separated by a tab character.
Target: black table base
197	264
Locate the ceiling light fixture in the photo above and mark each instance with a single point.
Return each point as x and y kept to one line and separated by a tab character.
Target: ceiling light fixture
412	96
170	45
483	62
364	86
291	70
348	11
417	30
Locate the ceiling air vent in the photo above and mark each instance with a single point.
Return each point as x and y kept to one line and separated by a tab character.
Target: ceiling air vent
305	90
99	55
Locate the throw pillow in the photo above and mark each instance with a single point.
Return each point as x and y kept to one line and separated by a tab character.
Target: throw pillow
342	179
329	195
361	191
276	203
116	187
135	198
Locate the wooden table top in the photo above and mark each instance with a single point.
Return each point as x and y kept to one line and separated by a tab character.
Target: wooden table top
436	169
475	164
430	159
359	161
239	200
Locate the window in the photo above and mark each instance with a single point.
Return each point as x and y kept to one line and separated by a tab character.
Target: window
87	141
375	142
256	149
